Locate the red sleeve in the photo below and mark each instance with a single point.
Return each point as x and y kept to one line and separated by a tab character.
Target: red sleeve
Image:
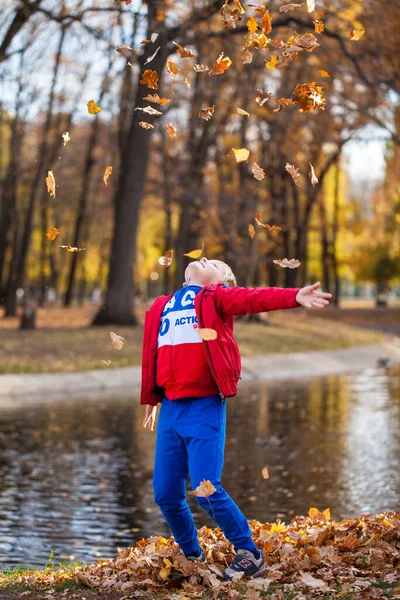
245	301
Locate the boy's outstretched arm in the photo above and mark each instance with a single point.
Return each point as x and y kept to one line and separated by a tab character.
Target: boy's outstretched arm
243	301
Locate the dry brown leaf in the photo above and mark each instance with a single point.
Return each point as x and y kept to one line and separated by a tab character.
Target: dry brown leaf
207	113
289	7
116	340
265	472
123	48
172	67
166	260
72	248
257	219
156	99
252	231
230	16
266	23
207	334
240	111
107	174
184	52
201	68
221	65
150	78
149	110
247	56
93	108
204	489
152	56
257	171
51	184
293	172
52	233
313	582
146	125
356	34
66	138
312	176
293	263
171	130
195	253
241	154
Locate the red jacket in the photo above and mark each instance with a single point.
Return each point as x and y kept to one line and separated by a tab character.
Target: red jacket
215	307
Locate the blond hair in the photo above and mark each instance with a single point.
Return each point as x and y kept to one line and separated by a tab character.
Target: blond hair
227	275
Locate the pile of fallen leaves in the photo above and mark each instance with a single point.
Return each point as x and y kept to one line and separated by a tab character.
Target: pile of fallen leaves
312	555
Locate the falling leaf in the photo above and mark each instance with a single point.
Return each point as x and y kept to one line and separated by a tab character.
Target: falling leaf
257	171
172	68
107	362
150	78
230	16
287	7
93	108
107	174
310	5
272	63
221	65
312	176
184	52
123	48
204	489
152	56
166	260
187	83
149	110
266	23
51	184
116	340
252	231
207	113
252	25
241	154
195	253
66	138
146	125
72	248
171	130
156	99
207	334
257	219
152	39
201	68
52	233
292	263
247	56
239	7
131	65
324	73
319	27
356	34
265	473
293	172
242	112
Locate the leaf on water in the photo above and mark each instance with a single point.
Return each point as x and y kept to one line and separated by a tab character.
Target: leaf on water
265	472
289	7
257	171
312	176
146	125
272	63
107	174
207	334
72	248
293	263
171	130
150	78
310	5
195	253
241	154
207	113
252	231
324	73
52	233
153	56
51	184
240	111
184	52
201	68
257	219
356	34
172	67
204	489
116	340
123	48
156	99
293	172
149	110
221	65
93	108
319	27
66	138
166	260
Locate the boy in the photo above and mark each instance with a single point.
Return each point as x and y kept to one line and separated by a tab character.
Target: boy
191	379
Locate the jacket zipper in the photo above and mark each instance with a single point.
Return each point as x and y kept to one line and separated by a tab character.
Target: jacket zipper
206	352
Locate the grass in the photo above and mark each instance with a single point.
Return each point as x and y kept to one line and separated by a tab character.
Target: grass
63	341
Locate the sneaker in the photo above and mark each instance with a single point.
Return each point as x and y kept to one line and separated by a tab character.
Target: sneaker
201	558
245	562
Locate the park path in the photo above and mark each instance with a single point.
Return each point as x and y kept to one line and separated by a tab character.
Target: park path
21	390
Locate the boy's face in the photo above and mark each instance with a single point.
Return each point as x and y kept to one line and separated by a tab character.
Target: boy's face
202	272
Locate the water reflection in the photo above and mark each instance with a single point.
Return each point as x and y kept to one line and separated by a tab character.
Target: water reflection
76	476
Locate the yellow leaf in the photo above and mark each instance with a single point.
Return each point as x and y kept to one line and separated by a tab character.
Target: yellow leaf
52	233
327	514
171	130
324	73
172	68
195	253
252	25
93	108
239	7
277	528
265	473
107	174
272	63
313	512
319	27
243	112
356	34
241	154
51	184
66	138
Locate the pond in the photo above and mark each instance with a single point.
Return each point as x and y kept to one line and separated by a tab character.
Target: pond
76	475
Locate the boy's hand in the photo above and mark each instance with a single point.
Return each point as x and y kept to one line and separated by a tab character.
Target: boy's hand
309	297
150	417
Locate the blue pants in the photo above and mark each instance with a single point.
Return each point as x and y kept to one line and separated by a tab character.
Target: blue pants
190	441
